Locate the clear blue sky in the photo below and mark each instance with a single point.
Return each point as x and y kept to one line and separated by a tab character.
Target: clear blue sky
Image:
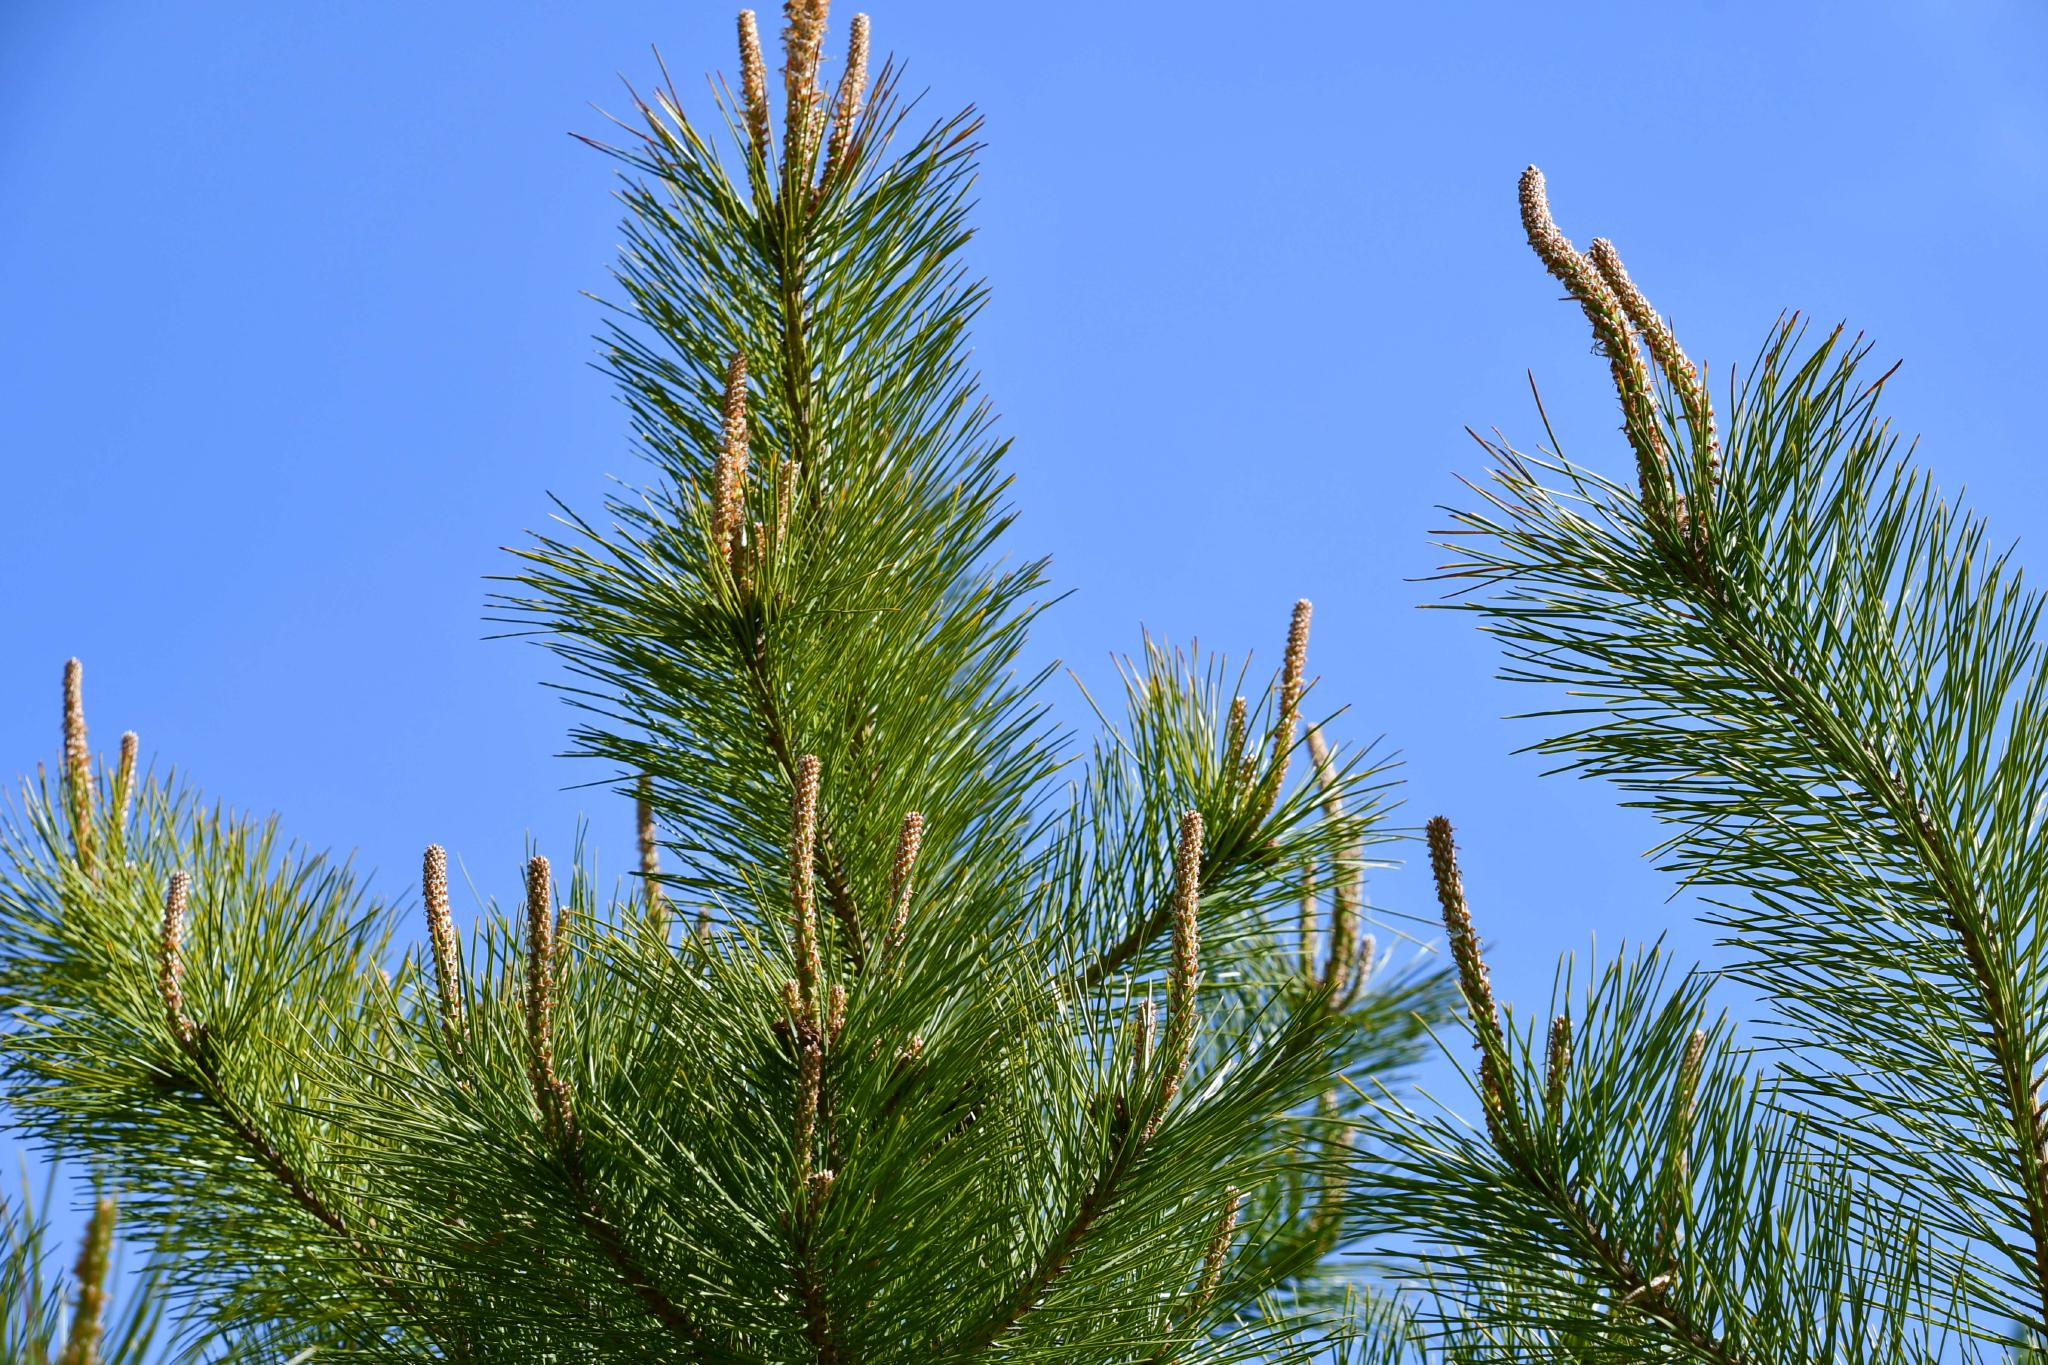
295	338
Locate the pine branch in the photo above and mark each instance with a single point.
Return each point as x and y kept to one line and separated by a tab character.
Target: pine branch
2006	1032
1807	663
1634	1195
1508	1124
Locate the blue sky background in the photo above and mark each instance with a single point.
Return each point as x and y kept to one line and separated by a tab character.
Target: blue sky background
295	337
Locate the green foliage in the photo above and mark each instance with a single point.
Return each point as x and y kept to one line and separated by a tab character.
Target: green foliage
1798	656
874	1070
1637	1207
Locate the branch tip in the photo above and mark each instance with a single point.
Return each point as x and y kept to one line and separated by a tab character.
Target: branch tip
729	473
1473	980
1293	669
124	781
902	881
441	938
848	102
82	1340
1557	1065
549	1091
1219	1247
170	975
1613	331
754	90
78	784
650	852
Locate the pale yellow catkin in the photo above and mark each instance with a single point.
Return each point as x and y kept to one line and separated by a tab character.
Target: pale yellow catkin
1557	1065
1310	908
810	1062
785	486
1346	891
1286	722
1234	736
1687	1100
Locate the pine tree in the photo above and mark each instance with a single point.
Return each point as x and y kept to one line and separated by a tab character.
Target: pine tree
1790	649
902	1044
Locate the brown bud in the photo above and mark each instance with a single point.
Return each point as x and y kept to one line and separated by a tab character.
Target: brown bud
1450	893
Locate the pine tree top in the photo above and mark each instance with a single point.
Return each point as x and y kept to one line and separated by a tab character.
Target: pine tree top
917	1036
